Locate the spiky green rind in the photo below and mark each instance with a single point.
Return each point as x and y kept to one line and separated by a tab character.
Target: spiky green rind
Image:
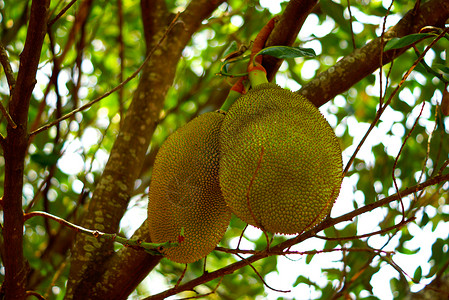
184	192
281	164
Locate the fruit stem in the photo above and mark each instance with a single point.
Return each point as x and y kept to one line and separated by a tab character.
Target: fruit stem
260	40
257	75
256	72
237	90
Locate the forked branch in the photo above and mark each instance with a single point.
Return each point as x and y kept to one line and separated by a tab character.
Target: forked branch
280	248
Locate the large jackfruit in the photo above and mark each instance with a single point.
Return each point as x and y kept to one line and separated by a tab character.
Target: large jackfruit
281	165
185	193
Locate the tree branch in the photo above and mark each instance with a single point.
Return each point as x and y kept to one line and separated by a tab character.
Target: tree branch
133	243
128	255
154	17
364	61
111	196
280	248
4	60
108	93
126	261
15	149
286	31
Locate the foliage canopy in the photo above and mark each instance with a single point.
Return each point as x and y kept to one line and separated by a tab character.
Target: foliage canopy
72	153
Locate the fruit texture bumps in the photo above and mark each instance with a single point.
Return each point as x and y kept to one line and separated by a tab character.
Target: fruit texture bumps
281	166
185	193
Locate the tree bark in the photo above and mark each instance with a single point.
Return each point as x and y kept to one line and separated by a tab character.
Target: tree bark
111	196
118	265
364	61
15	147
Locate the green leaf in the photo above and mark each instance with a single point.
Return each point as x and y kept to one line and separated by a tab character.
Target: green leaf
305	280
424	220
309	258
418	274
287	52
45	159
442	68
396	43
406	251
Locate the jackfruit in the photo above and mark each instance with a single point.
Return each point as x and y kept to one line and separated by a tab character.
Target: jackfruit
281	164
185	194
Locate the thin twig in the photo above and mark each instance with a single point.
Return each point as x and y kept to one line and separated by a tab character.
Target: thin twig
153	248
429	139
87	105
298	239
260	276
384	24
4	60
397	159
121	54
241	236
11	82
357	237
56	276
308	252
7	116
35	294
61	13
428	68
445	164
387	103
182	276
350	26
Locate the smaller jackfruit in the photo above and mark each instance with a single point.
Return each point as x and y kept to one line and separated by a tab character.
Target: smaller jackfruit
185	193
281	165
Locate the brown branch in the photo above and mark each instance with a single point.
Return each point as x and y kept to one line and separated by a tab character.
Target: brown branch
61	13
154	17
182	275
89	220
96	259
357	237
289	243
260	276
34	294
121	55
15	149
364	61
390	98
354	46
134	243
80	20
118	87
7	116
4	60
309	252
286	31
397	159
